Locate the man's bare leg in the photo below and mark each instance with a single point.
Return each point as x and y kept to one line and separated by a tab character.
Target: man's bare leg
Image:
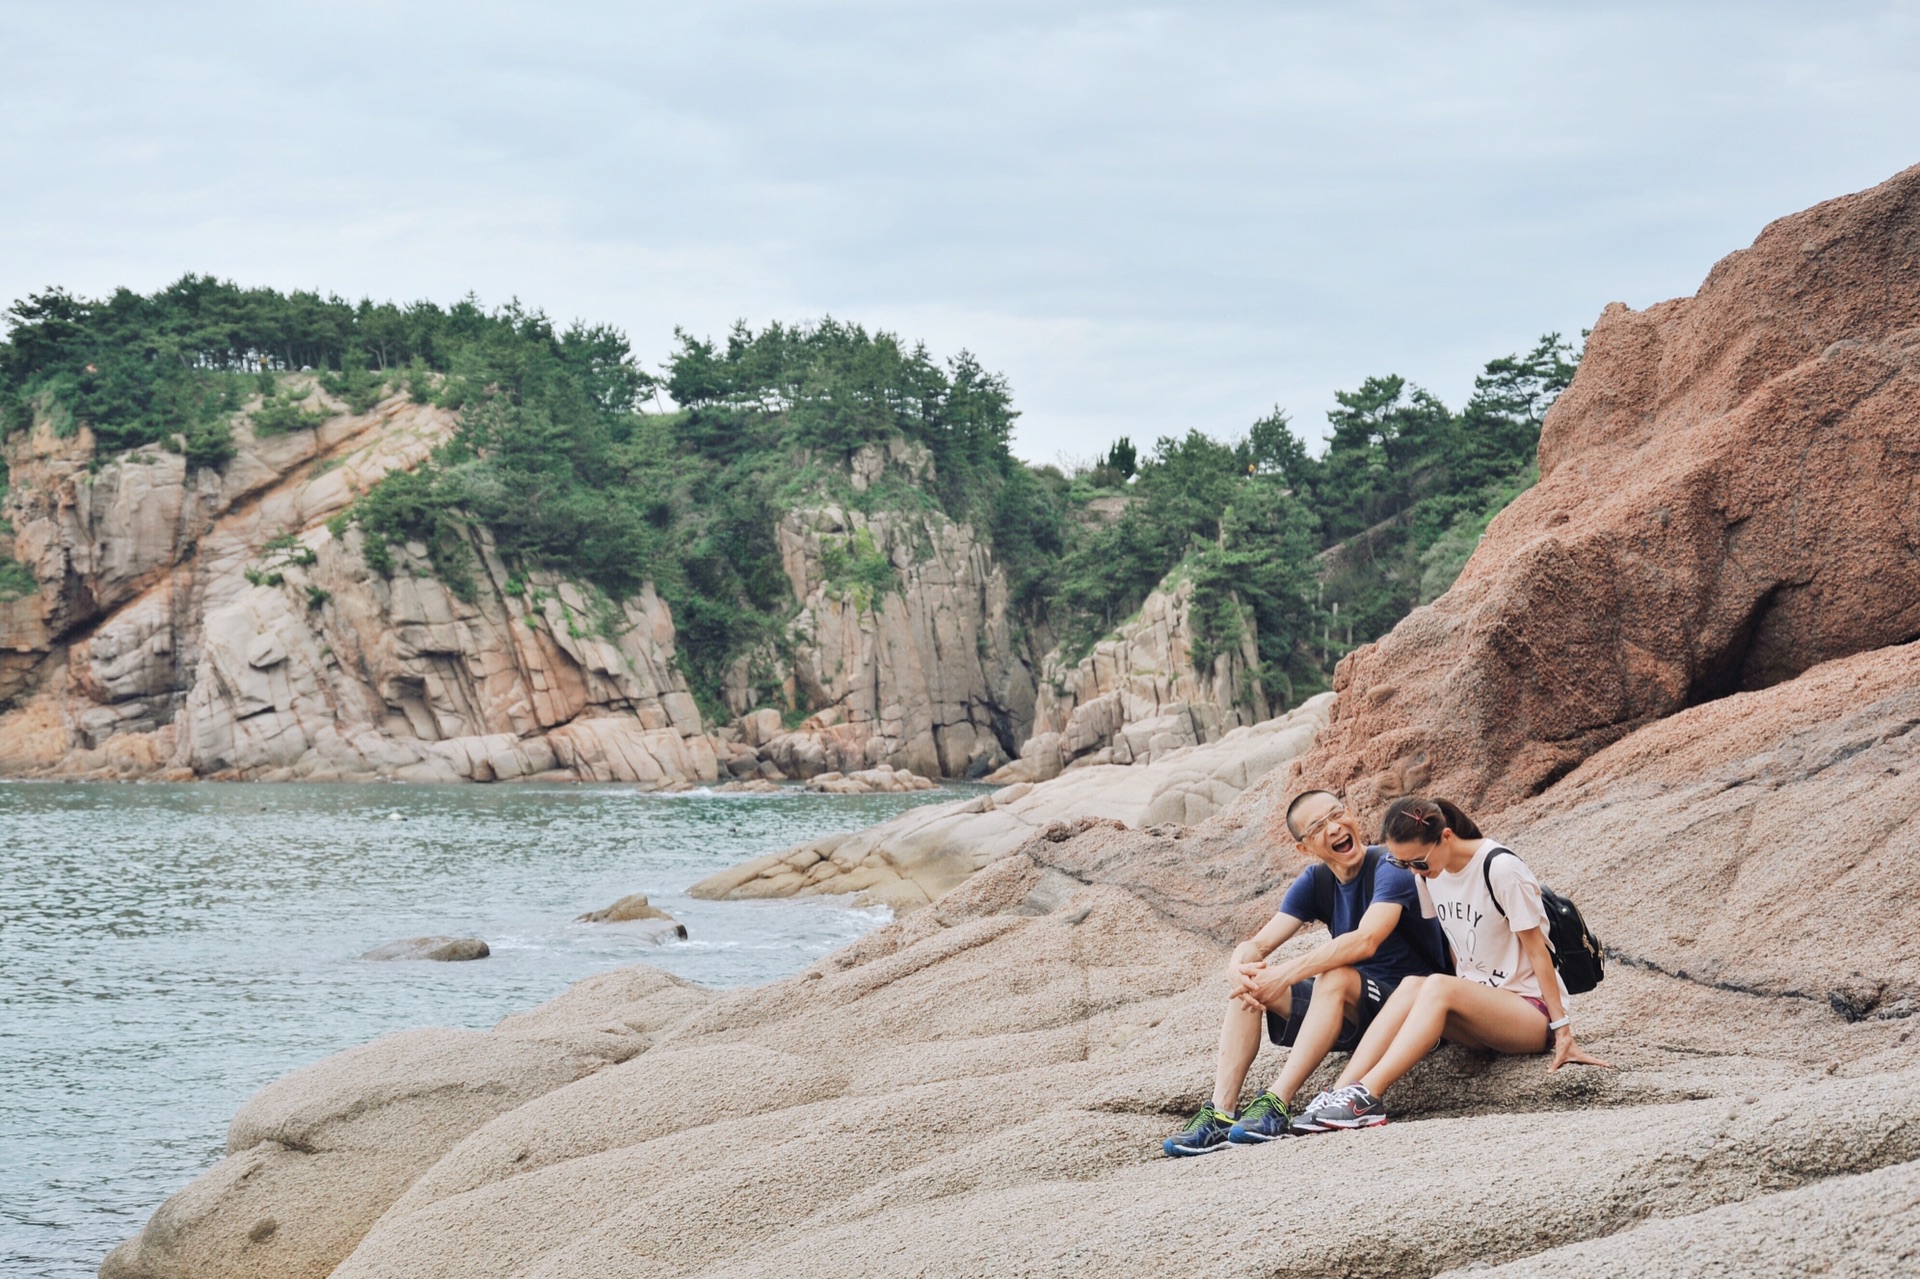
1336	996
1240	1034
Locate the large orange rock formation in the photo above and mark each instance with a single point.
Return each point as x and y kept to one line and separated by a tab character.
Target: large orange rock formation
1727	497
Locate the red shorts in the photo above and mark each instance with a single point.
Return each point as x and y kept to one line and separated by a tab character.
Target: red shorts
1541	1004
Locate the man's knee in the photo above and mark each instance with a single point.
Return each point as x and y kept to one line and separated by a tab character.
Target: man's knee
1342	984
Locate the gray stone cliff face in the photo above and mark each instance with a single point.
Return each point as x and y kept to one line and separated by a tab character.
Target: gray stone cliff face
201	624
1137	696
927	676
194	623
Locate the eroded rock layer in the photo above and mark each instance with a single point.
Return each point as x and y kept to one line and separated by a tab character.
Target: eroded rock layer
909	861
917	670
199	623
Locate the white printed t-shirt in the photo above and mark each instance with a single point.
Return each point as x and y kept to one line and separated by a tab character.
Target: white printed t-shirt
1484	946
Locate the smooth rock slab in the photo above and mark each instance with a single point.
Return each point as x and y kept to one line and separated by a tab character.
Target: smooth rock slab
444	949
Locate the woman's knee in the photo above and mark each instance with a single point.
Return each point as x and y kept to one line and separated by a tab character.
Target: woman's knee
1439	990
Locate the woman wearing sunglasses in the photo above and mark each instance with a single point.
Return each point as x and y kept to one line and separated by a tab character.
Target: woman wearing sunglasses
1506	997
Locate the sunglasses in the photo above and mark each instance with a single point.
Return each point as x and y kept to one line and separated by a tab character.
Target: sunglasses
1418	863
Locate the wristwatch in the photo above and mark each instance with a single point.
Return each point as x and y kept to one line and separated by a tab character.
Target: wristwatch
1564	1021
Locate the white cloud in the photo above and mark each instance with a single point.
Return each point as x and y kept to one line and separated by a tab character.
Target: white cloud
1150	219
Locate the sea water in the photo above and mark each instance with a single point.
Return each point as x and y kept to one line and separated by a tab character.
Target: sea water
167	950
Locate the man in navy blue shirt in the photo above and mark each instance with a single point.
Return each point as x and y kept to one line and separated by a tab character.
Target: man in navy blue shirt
1323	1000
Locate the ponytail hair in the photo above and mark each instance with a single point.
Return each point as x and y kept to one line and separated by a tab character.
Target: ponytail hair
1411	820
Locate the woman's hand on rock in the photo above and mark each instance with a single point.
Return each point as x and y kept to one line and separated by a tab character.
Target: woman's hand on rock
1565	1051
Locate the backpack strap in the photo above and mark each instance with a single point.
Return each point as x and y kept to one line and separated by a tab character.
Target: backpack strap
1325	884
1323	889
1486	872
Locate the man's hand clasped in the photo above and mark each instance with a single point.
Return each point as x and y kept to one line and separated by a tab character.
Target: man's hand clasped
1256	985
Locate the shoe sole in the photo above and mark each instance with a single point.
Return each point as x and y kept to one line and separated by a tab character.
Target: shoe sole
1182	1152
1348	1125
1254	1138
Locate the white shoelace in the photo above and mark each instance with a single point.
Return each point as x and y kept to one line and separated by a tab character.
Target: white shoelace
1336	1096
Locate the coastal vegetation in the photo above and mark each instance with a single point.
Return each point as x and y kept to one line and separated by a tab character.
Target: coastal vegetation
567	453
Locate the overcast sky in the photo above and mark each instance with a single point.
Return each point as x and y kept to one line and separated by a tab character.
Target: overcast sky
1150	219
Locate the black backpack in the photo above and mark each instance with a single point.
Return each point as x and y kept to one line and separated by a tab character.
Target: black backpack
1577	953
1439	958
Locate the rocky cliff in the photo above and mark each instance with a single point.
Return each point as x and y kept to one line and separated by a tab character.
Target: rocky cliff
209	624
202	623
1138	696
903	648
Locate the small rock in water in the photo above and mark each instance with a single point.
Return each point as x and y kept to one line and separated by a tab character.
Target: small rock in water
395	817
445	949
634	908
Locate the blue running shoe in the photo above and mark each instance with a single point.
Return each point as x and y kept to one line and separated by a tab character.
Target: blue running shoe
1204	1133
1267	1118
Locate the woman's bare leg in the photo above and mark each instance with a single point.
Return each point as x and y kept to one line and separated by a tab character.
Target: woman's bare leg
1462	1010
1386	1024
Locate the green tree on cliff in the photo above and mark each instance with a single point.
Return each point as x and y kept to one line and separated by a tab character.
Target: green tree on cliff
557	458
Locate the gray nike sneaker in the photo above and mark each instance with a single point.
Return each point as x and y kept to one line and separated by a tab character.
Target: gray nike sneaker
1349	1107
1301	1125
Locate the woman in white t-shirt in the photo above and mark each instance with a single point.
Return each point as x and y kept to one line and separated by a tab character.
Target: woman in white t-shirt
1506	997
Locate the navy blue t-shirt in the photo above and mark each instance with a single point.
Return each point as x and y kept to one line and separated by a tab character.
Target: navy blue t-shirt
1397	956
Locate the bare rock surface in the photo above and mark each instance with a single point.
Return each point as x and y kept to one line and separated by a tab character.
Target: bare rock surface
869	781
638	918
316	1156
1137	697
1727	497
1748	826
443	949
912	859
1005	1063
1859	1227
923	675
632	906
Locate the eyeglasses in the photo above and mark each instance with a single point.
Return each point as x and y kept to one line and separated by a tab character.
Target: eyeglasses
1418	863
1338	810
